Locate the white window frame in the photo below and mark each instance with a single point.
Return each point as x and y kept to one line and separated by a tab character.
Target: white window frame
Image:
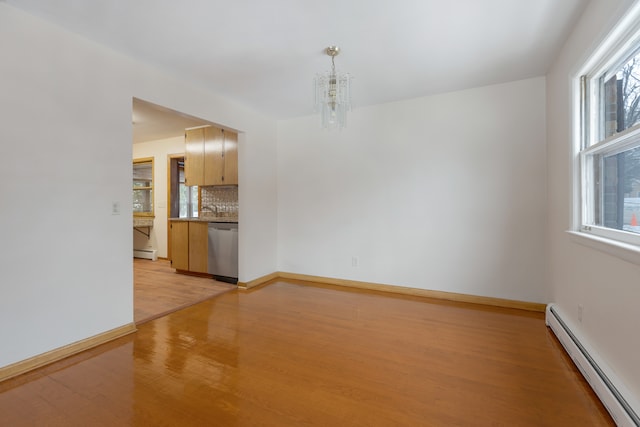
586	118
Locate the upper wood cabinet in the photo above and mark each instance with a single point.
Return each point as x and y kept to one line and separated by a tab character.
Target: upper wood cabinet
194	156
230	174
211	156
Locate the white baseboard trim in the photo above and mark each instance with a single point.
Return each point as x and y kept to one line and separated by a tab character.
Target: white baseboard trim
607	386
146	254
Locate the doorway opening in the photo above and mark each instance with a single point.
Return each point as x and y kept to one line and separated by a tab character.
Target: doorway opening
158	133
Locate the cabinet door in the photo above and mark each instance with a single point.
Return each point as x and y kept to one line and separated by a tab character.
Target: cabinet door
198	250
213	156
194	156
230	158
180	245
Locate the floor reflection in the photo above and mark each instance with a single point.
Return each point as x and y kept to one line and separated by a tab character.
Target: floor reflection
188	361
291	354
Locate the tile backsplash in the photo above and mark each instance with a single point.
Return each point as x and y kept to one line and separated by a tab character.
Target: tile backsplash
219	201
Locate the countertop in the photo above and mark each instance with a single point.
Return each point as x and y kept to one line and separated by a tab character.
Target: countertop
142	221
208	219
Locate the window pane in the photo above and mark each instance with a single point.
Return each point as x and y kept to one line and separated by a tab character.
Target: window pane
194	200
142	200
188	195
182	190
188	201
142	174
617	191
621	97
143	186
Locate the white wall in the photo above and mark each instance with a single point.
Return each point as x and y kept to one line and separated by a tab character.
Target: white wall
159	150
66	142
607	287
445	192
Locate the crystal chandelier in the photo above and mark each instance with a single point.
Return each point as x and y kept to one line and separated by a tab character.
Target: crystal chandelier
332	94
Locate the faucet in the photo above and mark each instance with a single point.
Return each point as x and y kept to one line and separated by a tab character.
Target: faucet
213	209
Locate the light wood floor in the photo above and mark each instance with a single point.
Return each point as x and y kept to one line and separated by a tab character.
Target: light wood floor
159	290
291	354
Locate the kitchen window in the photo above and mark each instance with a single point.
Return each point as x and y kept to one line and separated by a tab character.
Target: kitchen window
188	195
143	187
609	149
184	199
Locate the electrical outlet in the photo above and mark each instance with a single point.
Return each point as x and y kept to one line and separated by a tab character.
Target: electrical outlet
115	208
354	261
580	312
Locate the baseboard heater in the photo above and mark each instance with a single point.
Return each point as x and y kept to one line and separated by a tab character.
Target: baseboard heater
145	254
604	384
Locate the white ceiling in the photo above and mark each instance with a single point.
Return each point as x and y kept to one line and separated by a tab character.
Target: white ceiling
265	53
152	122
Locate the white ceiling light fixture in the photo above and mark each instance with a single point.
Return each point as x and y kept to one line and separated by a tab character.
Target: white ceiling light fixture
333	94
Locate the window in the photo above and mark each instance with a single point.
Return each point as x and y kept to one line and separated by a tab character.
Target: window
188	195
610	144
143	187
183	199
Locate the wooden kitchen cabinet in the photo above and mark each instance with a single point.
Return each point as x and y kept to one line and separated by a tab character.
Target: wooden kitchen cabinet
194	156
198	250
211	156
204	155
230	173
189	246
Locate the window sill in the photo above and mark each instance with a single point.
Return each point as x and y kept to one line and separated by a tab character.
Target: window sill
625	251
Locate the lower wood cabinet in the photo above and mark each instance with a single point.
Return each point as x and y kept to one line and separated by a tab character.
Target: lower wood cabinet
189	247
198	250
179	244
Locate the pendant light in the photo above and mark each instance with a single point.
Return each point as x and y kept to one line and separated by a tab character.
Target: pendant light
333	94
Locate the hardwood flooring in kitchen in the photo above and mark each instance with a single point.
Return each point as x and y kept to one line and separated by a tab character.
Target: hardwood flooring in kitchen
300	354
159	290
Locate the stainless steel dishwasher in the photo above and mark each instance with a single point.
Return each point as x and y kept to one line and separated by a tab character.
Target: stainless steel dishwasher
223	251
